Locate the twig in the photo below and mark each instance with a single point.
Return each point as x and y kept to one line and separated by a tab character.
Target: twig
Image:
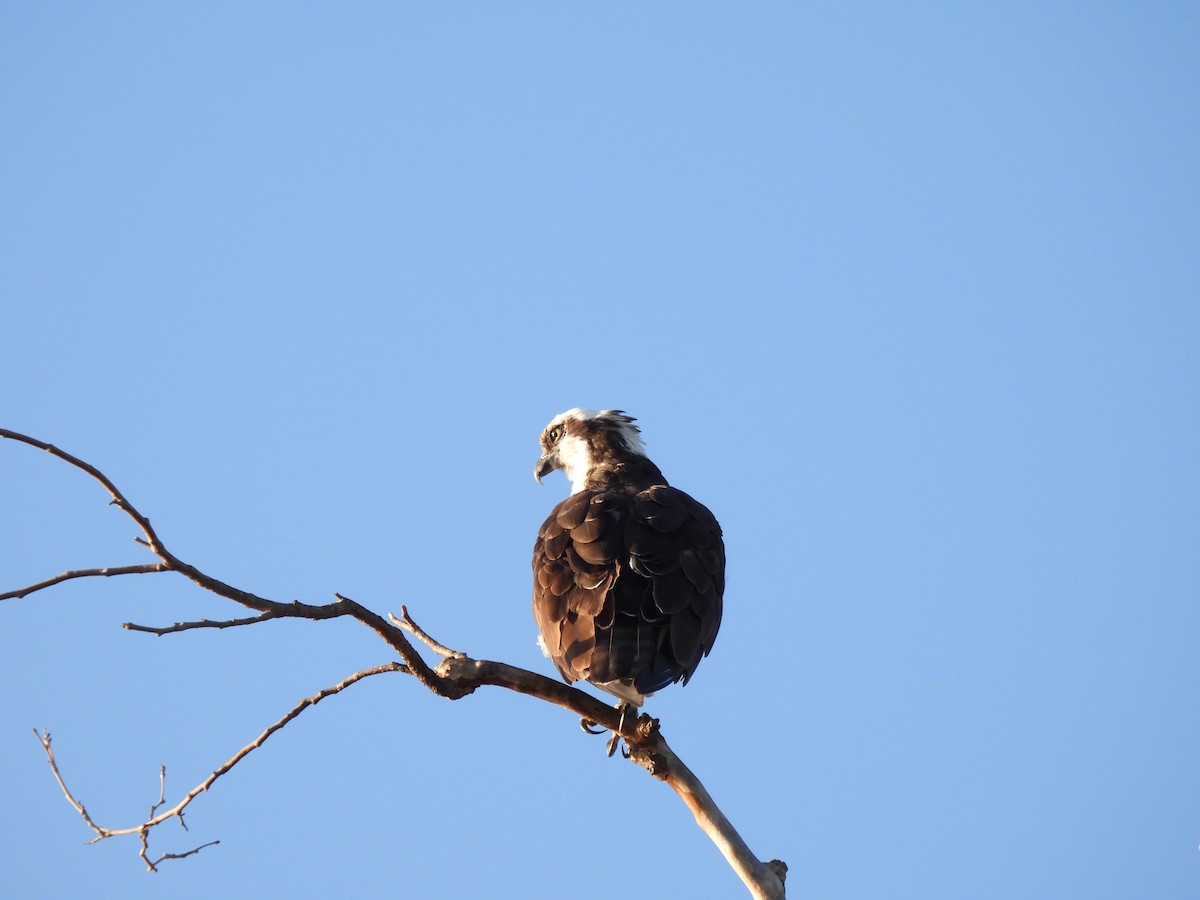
108	572
271	729
153	865
162	791
44	740
118	499
406	622
203	623
157	818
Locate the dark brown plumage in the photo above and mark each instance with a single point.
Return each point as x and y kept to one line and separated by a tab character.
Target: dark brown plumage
628	572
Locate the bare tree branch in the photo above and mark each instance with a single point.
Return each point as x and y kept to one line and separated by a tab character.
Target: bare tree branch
142	569
764	880
405	621
152	865
203	623
646	746
454	677
44	740
156	818
162	791
342	607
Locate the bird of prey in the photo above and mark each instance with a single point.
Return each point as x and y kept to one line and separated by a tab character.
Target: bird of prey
628	572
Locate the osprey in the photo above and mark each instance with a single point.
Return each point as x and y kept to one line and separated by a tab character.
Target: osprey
628	572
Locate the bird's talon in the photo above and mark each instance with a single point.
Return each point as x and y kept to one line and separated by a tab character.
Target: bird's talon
591	727
611	747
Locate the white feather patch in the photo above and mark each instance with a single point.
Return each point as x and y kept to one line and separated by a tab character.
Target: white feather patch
576	459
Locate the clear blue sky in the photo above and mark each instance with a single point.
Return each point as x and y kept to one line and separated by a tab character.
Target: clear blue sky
906	294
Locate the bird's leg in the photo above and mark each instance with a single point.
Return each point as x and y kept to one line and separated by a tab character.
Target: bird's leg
611	746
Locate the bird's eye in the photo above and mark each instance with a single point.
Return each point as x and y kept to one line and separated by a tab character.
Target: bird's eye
555	433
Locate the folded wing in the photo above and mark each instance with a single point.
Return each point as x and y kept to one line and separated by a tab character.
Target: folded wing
628	586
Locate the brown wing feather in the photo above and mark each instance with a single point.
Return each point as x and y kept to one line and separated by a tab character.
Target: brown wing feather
572	580
628	587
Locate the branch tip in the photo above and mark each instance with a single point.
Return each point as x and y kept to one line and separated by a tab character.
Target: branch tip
405	621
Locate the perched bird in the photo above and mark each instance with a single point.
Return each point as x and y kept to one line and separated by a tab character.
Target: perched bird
628	572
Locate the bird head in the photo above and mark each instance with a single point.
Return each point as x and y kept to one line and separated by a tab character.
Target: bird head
579	440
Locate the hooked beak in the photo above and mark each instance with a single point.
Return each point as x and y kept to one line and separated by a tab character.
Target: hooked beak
545	465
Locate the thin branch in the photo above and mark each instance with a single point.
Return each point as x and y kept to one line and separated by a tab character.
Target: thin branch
406	622
342	607
152	865
162	791
44	740
108	572
300	707
203	623
118	499
157	818
150	538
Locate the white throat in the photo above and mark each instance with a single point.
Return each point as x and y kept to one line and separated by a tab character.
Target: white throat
576	460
